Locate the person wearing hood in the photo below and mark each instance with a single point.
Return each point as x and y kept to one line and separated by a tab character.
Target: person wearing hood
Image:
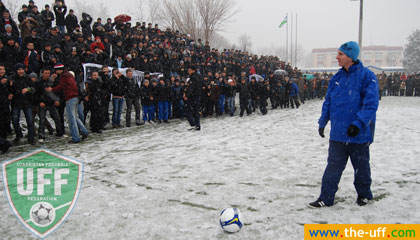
22	89
350	104
86	25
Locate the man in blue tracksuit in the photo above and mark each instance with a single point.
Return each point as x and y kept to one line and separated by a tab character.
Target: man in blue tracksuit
350	104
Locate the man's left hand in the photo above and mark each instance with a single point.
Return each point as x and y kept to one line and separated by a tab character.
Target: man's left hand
352	131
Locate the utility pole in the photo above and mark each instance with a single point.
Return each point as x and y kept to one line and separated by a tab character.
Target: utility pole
287	37
361	27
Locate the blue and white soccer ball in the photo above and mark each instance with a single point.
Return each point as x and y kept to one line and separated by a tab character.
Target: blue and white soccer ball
231	220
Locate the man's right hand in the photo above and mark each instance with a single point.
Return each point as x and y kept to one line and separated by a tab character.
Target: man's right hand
321	132
42	105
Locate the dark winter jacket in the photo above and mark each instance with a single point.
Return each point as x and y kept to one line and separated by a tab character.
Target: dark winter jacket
244	93
195	86
118	86
146	93
48	98
21	100
48	18
85	24
132	88
60	17
164	92
94	90
230	91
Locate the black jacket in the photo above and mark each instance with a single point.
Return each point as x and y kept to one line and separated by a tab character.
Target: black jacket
195	86
19	83
132	88
244	93
48	98
71	22
117	86
94	90
164	93
60	20
146	93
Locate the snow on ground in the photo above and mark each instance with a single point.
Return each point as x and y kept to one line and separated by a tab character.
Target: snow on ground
164	182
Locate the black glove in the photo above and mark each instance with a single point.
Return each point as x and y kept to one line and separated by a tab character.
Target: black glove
352	131
321	132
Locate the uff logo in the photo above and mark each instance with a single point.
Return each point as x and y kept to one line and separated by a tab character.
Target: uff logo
42	188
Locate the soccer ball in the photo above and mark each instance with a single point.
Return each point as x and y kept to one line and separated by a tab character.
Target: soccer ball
42	214
231	220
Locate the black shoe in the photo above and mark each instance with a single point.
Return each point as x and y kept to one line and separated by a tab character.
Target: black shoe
165	121
32	142
5	146
84	136
317	204
160	121
16	140
71	142
361	201
197	128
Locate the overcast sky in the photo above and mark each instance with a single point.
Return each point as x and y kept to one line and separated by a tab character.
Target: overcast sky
321	23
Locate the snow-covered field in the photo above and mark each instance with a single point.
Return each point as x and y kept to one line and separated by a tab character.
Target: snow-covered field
164	182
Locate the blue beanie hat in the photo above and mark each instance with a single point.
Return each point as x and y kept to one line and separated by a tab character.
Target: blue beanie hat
351	49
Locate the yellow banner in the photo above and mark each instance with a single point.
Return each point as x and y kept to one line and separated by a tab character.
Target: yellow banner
362	231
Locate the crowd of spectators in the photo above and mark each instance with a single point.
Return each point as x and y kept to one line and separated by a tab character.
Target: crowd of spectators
45	49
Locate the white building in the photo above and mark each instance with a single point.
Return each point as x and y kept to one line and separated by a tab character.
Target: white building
377	56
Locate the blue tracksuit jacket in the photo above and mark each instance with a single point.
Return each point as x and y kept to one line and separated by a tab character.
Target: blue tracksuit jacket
352	98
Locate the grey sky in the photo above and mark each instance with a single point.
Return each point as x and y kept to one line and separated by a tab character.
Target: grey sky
322	23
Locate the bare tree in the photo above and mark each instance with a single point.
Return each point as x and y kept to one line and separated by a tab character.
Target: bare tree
219	42
245	42
14	8
214	15
137	12
182	15
93	10
303	59
155	12
102	11
200	18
